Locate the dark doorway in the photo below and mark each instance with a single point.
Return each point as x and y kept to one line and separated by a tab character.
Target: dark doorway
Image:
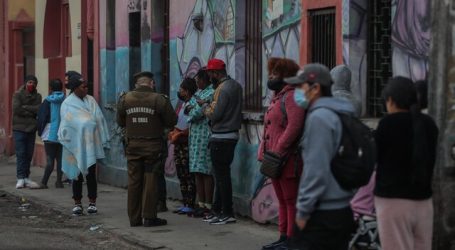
135	45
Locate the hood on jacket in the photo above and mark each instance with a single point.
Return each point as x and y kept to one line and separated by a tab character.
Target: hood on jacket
56	97
341	76
340	105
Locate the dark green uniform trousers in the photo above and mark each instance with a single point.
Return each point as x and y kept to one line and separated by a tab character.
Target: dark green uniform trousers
144	158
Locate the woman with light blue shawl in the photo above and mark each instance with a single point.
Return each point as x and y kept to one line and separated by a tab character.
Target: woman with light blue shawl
83	134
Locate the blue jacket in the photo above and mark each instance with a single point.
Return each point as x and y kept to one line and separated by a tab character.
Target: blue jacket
318	189
49	112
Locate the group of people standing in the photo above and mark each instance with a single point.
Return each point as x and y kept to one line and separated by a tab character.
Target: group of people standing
204	131
301	126
72	128
314	210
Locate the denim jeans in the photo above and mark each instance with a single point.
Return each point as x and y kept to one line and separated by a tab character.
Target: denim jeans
25	145
222	153
92	185
53	154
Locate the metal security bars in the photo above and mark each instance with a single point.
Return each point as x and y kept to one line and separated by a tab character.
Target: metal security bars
378	53
253	56
322	35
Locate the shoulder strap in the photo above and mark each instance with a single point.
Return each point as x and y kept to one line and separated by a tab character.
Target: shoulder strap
283	109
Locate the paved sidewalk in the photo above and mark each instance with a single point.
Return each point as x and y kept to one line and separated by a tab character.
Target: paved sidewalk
181	233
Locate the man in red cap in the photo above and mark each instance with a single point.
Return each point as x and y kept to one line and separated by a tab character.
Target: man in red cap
225	115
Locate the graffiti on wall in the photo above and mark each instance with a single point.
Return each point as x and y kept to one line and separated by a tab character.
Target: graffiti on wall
411	32
354	29
216	36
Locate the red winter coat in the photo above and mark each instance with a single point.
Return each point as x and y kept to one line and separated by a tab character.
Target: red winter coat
283	137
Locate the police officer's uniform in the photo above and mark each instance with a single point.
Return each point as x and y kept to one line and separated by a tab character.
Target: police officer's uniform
144	114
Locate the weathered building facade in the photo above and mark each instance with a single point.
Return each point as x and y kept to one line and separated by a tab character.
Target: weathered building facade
110	40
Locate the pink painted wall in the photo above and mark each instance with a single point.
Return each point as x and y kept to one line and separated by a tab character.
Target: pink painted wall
102	23
180	12
121	24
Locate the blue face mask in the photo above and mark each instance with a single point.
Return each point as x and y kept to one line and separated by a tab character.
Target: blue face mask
300	98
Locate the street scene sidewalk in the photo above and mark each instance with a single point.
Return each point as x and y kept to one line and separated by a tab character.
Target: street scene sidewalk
182	232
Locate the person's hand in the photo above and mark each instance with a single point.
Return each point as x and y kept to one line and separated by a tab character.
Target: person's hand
187	109
201	102
301	223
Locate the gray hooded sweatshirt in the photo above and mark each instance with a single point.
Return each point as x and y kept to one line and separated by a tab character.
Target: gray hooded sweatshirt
341	87
318	189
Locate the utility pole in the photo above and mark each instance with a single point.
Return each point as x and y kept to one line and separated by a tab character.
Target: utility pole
442	108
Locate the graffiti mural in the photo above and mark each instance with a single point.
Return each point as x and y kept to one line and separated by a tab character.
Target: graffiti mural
210	31
411	26
354	29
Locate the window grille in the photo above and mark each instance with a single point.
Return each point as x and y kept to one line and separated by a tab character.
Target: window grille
322	35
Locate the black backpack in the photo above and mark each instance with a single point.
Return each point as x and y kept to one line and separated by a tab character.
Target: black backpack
355	159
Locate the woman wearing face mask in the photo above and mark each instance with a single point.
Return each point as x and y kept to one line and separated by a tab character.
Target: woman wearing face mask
283	123
179	137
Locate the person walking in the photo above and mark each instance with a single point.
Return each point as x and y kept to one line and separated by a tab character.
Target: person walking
282	133
324	218
26	102
225	115
179	137
83	133
48	124
406	143
144	114
200	160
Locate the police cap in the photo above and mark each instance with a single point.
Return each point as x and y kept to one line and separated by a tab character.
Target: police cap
142	74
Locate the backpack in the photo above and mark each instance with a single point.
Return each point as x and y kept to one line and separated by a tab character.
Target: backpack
355	159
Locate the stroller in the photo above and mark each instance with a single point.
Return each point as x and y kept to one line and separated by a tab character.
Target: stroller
366	236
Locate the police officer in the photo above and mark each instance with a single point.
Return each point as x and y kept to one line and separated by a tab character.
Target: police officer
144	114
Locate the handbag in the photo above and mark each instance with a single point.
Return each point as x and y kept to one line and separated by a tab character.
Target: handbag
272	164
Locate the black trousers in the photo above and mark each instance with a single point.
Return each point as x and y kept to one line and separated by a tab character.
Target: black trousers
92	185
53	154
222	153
325	230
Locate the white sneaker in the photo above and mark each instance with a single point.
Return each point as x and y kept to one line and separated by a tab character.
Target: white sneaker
20	183
31	184
92	209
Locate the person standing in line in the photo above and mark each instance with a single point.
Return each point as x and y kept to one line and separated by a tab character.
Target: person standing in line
26	102
179	137
200	161
83	133
48	124
341	87
144	114
225	115
406	143
324	217
283	124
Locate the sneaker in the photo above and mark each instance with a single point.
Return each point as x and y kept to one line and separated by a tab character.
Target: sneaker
210	217
20	184
78	210
31	184
223	220
185	210
92	208
154	222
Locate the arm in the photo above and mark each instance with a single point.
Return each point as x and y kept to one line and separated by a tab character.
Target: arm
18	108
169	116
294	125
196	113
35	106
319	148
218	106
121	112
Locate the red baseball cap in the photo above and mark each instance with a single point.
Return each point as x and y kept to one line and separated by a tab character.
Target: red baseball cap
216	64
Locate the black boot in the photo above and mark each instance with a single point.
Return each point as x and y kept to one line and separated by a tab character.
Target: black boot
154	222
277	243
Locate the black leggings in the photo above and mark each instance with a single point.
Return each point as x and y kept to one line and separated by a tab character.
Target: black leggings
91	185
